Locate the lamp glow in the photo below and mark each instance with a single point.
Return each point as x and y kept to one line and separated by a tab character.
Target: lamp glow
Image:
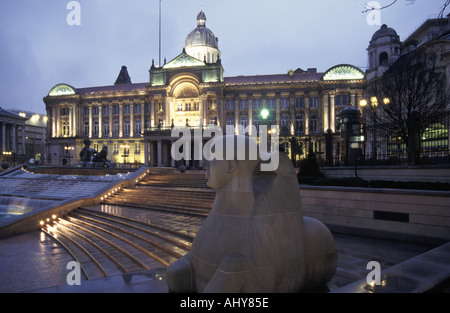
264	113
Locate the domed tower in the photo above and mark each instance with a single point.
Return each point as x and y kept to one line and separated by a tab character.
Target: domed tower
201	42
384	49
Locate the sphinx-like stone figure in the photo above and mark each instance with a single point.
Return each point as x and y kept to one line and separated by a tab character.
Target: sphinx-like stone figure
255	239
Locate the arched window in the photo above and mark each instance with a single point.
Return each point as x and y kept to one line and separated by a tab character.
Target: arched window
383	58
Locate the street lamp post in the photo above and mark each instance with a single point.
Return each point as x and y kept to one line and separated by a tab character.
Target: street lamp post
374	109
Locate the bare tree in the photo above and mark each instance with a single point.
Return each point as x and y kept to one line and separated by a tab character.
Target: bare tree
409	97
368	8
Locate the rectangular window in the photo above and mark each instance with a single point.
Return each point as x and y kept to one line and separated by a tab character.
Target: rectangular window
160	106
196	106
243	104
64	111
86	111
299	124
284	103
180	107
116	128
243	121
230	105
188	106
116	110
106	129
126	128
137	109
137	148
313	123
299	103
256	104
138	127
230	120
313	102
105	110
65	128
126	109
86	128
284	122
271	103
115	148
95	133
95	111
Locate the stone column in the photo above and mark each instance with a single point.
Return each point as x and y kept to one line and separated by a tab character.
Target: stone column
159	153
306	116
353	99
277	111
120	120
250	116
152	112
13	143
53	117
100	121
332	113
146	163
70	121
111	121
75	121
236	116
90	121
23	137
325	104
131	120
3	136
58	122
142	117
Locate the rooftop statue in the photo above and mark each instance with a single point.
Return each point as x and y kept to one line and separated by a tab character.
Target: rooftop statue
255	239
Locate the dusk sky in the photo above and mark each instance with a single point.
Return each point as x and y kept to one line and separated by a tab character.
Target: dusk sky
39	49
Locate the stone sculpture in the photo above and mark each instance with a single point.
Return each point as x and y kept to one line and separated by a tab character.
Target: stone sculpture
255	239
92	158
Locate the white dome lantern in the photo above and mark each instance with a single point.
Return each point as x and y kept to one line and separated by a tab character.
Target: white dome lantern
201	43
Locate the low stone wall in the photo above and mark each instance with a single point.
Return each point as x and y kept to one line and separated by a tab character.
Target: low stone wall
394	173
418	216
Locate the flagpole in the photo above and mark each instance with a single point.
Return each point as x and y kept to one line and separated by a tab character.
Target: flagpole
159	32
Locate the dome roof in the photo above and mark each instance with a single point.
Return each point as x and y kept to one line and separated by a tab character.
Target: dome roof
201	35
384	31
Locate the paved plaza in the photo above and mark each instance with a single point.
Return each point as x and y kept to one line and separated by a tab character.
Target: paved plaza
33	263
